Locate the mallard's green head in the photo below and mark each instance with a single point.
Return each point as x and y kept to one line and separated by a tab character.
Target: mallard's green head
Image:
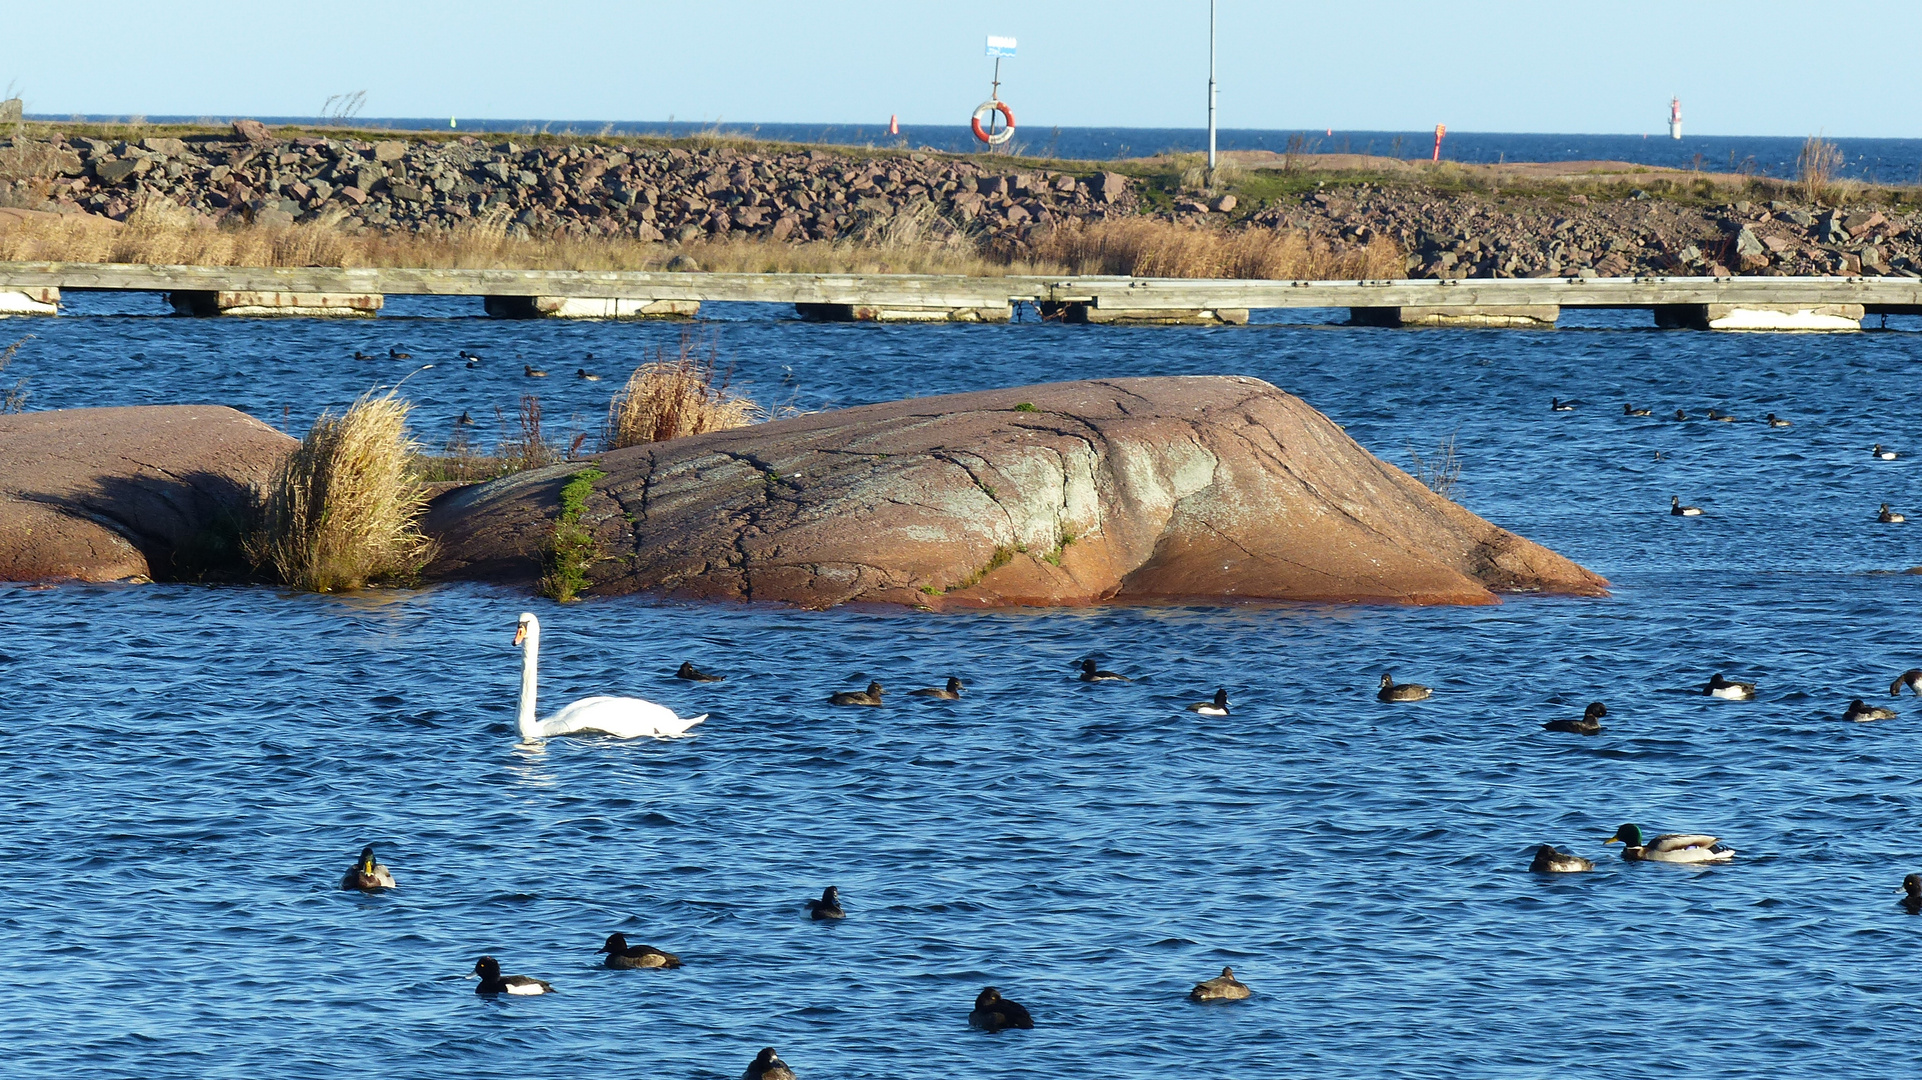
1627	834
366	864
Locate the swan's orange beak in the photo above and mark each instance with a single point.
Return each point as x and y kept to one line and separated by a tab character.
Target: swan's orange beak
520	633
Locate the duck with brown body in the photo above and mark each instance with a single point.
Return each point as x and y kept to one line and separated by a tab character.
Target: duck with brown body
1224	987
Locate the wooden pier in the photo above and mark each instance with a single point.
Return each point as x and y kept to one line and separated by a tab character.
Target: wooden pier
1739	303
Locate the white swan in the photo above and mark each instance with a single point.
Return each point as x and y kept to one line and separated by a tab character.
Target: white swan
621	717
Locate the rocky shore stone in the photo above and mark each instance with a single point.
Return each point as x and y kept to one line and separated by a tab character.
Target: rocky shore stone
1221	489
142	492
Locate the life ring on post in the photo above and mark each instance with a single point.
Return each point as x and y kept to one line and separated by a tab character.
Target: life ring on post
986	112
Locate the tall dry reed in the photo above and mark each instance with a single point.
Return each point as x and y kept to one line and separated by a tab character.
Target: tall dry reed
1816	166
343	510
1146	247
673	397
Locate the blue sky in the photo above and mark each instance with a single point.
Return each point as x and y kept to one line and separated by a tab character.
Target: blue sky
1742	67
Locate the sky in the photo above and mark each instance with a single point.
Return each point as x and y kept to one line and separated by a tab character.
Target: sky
1741	67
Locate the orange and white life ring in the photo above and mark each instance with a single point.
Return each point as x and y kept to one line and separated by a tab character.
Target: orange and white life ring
986	112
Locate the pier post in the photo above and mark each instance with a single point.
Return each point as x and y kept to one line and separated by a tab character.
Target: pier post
37	300
1759	316
258	303
589	307
1512	316
998	313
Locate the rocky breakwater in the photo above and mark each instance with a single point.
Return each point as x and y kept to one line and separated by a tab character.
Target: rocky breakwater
1209	488
145	492
587	188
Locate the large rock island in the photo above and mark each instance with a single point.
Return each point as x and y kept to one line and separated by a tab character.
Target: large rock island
1204	488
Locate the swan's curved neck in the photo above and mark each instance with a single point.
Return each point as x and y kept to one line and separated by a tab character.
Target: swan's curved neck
530	661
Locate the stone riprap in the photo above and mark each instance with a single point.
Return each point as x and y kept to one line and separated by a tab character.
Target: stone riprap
581	189
1127	490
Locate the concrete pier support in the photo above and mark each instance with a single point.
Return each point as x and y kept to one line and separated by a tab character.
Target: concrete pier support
903	313
1096	315
589	307
38	300
1512	316
275	304
1759	316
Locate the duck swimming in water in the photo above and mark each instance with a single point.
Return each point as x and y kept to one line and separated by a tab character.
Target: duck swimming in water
828	906
586	376
1669	847
491	981
1722	416
992	1012
1224	987
1729	690
1558	405
1550	861
871	696
1889	517
1589	724
1911	678
1776	421
950	692
533	372
767	1065
1680	415
636	957
1216	707
693	674
1881	454
1676	509
367	875
1393	691
1092	673
1630	410
1862	714
1912	885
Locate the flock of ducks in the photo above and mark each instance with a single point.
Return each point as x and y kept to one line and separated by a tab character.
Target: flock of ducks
1675	507
473	360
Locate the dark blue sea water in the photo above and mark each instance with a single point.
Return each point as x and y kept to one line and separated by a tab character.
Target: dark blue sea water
190	769
1886	161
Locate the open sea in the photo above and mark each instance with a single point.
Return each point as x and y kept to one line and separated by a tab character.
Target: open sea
1881	161
191	769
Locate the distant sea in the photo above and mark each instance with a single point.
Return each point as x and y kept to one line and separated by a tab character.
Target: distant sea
1888	161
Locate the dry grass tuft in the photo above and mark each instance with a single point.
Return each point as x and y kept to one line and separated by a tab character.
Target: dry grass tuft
13	398
1441	472
1816	167
670	398
343	510
1145	247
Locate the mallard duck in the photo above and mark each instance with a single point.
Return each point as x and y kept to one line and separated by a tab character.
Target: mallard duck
992	1012
1912	885
1558	405
1222	988
828	906
1889	517
636	957
870	696
1676	509
367	875
1630	410
1091	673
951	692
693	674
1881	454
1776	421
1550	861
1669	847
533	372
1392	691
1589	724
1862	713
1911	678
488	970
767	1065
1729	690
1217	707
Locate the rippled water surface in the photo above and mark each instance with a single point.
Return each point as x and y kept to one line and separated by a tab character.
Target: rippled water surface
191	768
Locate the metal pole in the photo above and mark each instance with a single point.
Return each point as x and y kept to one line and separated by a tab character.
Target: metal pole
1211	86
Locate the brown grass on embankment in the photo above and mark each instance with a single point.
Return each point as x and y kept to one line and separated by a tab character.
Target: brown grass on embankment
166	235
672	397
343	510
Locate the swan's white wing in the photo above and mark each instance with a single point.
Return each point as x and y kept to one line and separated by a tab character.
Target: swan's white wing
621	717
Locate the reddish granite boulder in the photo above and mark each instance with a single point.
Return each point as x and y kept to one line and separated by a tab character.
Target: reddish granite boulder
1210	488
129	493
